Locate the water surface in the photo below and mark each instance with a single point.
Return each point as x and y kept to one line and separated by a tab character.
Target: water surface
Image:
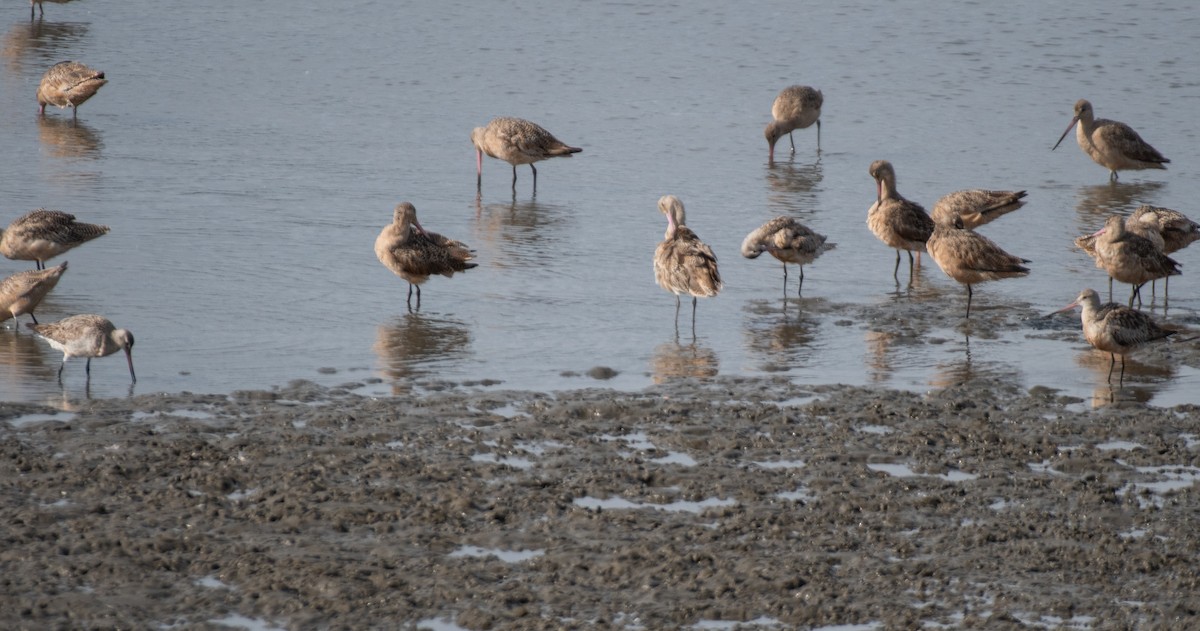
247	155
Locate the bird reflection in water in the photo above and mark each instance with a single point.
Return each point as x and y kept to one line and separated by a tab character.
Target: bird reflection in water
672	360
68	138
1148	375
793	187
39	42
415	345
1096	202
782	338
518	234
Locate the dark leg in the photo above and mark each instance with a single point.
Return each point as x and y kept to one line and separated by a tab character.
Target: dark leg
514	178
793	143
1110	288
896	270
409	301
818	135
418	296
785	280
910	265
676	311
1122	382
87	367
60	367
693	317
479	182
1112	360
801	287
30	315
534	176
40	264
969	296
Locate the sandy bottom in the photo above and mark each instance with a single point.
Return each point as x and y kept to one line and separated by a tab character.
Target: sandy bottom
716	504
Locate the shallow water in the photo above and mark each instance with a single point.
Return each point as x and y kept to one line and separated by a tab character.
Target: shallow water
246	159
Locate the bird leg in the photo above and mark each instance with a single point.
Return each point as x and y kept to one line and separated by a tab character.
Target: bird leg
1112	361
534	176
818	135
896	270
693	318
1122	382
785	280
792	142
87	367
910	264
969	296
410	286
801	287
514	177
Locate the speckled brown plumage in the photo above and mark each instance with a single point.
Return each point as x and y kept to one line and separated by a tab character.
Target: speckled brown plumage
898	222
68	84
796	107
789	241
976	206
683	264
43	234
415	254
1111	144
22	292
1115	329
971	258
516	141
1131	258
89	336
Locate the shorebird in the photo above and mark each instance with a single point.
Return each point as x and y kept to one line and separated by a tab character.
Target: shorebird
1131	258
516	141
1175	229
683	264
68	84
414	254
1111	144
898	222
970	258
87	336
43	234
1115	329
789	241
976	206
796	107
23	292
1087	243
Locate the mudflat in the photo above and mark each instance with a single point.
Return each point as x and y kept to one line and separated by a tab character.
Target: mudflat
725	503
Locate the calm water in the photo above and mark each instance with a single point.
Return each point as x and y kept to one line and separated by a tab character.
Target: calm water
247	154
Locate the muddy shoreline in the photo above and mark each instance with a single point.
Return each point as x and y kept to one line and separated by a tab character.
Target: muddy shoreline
727	499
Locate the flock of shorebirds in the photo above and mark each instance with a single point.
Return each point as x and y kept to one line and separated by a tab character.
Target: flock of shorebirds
1131	250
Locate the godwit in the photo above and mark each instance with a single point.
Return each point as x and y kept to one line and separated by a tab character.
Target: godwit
1115	328
1131	258
68	84
87	336
969	257
796	107
23	292
683	264
1176	230
898	222
789	241
1111	144
44	234
976	206
516	141
414	254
